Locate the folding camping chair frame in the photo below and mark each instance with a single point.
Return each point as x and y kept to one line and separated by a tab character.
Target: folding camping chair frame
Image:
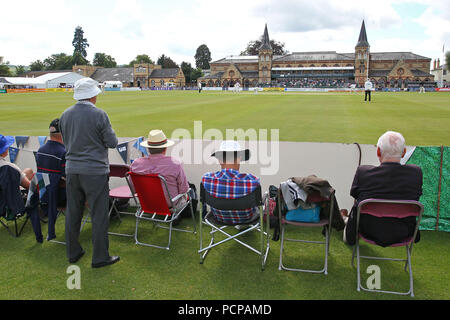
18	232
408	244
324	223
250	201
160	219
120	171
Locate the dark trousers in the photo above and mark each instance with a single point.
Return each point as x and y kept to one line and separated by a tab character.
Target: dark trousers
95	191
368	94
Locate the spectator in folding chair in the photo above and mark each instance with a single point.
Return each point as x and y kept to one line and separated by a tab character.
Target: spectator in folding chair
229	183
25	175
158	162
51	159
390	181
15	179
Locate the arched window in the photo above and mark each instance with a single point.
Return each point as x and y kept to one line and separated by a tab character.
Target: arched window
231	74
162	83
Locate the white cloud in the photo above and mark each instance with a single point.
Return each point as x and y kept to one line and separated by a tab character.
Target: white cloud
125	28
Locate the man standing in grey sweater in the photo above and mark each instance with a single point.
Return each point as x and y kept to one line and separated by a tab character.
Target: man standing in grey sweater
87	135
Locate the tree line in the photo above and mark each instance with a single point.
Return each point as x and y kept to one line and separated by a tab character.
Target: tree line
63	61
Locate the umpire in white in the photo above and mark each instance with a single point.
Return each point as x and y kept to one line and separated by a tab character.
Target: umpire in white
87	135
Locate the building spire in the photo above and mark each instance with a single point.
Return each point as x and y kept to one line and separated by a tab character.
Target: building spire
266	41
362	42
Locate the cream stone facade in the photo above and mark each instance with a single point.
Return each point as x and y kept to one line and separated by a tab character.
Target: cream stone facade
385	69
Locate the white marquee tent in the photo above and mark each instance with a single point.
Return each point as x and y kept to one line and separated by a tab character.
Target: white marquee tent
49	80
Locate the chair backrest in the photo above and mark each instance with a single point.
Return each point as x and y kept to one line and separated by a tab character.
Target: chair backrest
316	197
252	200
150	192
118	170
391	208
10	195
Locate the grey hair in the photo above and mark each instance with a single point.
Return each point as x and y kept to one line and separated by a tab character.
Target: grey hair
391	144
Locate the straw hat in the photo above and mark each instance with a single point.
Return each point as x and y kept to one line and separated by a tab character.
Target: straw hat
157	140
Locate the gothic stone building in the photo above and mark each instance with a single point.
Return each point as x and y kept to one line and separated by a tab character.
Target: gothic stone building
141	75
385	69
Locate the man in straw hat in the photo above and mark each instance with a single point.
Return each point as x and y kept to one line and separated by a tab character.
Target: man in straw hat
87	135
158	162
229	183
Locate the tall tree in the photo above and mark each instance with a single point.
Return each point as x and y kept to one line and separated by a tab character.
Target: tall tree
4	70
104	60
165	62
203	57
79	42
141	58
60	61
37	65
78	59
20	70
253	48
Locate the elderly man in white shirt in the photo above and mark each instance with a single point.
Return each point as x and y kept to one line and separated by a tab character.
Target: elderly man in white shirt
368	86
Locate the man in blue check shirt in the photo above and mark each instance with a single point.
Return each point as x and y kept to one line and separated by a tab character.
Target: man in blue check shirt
229	183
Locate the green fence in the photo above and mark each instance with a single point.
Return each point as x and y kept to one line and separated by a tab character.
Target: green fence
2	90
435	164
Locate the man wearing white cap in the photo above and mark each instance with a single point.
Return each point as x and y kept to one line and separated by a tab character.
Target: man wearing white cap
87	135
160	163
229	183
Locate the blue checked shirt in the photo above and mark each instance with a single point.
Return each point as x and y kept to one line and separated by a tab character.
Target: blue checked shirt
231	184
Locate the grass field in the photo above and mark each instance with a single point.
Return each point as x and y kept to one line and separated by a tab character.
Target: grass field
309	117
33	271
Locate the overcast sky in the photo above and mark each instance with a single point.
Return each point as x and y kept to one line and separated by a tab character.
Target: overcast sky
32	30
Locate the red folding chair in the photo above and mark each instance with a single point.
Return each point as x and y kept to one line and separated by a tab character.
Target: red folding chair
153	205
324	223
395	209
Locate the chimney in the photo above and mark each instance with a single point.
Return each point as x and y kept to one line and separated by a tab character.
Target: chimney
439	63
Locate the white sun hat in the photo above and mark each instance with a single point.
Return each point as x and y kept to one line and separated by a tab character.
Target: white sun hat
157	140
231	147
86	88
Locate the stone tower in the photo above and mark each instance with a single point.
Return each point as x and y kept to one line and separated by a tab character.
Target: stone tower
362	57
265	56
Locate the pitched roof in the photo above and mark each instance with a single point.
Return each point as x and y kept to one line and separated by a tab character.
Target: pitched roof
396	56
313	56
265	40
165	73
114	74
362	41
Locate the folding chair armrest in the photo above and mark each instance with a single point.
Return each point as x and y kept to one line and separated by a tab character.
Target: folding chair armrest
181	195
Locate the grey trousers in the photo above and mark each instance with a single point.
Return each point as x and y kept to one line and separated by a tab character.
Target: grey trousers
94	190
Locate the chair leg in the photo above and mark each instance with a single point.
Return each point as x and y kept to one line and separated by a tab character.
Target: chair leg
358	266
411	281
327	243
280	265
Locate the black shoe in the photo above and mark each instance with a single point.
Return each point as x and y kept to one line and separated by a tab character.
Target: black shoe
78	257
111	260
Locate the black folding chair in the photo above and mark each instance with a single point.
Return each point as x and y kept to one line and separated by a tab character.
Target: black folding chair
12	207
252	200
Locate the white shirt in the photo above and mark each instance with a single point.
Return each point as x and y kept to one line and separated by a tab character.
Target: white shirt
368	85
